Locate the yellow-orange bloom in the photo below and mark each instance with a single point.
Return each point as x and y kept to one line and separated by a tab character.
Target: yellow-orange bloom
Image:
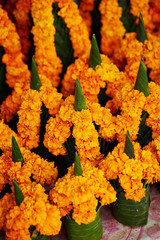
34	210
81	193
77	29
28	126
144	8
6	137
86	7
152	107
48	63
17	71
12	103
23	24
86	136
131	171
57	132
112	30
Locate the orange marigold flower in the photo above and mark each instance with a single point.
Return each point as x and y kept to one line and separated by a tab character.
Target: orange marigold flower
77	29
6	137
48	63
155	12
151	54
144	8
23	24
81	193
86	136
155	76
17	71
21	174
57	132
29	119
86	6
84	132
111	75
6	203
131	110
92	80
152	107
112	30
12	103
5	164
131	171
103	117
34	210
50	97
42	171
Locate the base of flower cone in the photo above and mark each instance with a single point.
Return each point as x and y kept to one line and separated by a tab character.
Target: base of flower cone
89	231
130	212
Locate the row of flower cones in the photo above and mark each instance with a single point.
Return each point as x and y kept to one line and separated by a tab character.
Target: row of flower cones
83	123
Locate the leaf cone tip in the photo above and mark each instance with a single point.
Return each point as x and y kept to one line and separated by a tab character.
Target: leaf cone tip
80	102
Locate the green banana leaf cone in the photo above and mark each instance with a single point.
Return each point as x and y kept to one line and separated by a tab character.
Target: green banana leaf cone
130	212
89	231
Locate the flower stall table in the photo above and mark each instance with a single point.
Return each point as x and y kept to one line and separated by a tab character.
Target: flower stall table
112	230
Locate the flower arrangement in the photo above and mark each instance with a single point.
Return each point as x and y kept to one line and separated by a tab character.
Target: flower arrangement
79	104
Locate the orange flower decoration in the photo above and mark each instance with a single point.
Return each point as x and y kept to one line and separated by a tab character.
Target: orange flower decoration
112	30
77	29
34	210
81	193
46	57
131	171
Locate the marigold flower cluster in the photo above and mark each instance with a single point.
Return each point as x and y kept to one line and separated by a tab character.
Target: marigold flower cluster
48	62
41	170
29	123
81	193
17	75
23	24
81	45
93	80
75	117
85	11
90	80
131	171
35	210
152	108
29	119
112	30
58	129
6	137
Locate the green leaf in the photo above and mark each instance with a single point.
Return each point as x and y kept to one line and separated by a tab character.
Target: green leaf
142	80
63	43
19	197
127	18
130	212
90	231
95	58
145	132
16	152
141	31
80	102
35	80
70	147
77	166
128	149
